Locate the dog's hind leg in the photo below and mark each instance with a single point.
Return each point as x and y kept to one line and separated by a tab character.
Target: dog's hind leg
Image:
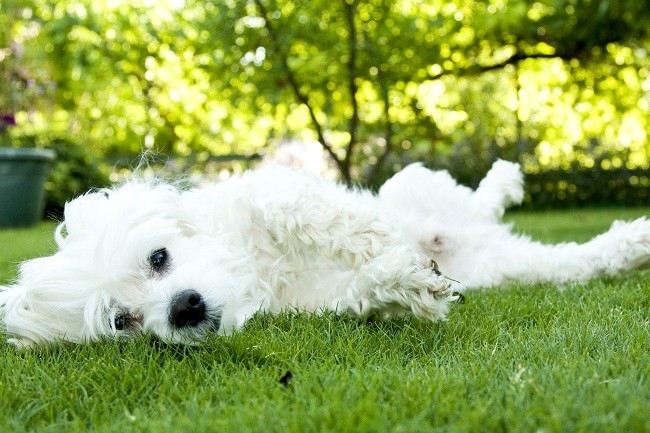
417	193
502	187
489	256
624	247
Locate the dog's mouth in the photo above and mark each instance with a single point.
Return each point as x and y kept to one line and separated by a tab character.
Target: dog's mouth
195	334
214	322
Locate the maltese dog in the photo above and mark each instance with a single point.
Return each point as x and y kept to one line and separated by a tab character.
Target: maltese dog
149	257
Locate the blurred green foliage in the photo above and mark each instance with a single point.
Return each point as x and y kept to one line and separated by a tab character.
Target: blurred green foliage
579	186
553	84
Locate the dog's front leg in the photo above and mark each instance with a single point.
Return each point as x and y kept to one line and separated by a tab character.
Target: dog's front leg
399	282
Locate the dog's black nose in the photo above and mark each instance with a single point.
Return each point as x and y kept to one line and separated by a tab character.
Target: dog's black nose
188	309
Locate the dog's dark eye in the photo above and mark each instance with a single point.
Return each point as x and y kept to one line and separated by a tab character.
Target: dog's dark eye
158	259
120	322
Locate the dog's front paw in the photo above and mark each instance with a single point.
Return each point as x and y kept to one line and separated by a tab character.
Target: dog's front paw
431	290
439	285
443	281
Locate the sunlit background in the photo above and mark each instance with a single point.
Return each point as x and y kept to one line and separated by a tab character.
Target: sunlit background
563	87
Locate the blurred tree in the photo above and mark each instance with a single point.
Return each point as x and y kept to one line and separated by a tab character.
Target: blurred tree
377	82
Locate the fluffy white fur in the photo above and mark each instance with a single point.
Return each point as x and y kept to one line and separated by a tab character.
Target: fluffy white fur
148	257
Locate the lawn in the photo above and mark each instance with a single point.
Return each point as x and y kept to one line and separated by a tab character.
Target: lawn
521	359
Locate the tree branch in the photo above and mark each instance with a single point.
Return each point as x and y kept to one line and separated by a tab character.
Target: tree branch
477	69
302	97
388	134
349	7
374	171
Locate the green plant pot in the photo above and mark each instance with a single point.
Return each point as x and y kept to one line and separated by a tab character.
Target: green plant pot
23	172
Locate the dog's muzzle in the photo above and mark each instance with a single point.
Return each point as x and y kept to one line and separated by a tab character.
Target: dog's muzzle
188	309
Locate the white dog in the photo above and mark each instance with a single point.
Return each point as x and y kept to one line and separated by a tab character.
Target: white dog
150	258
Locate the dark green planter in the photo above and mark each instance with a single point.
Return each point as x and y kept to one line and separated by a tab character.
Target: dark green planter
23	172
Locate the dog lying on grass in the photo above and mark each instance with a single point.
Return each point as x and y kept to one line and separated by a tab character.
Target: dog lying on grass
148	257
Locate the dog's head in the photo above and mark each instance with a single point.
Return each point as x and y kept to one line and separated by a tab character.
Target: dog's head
129	261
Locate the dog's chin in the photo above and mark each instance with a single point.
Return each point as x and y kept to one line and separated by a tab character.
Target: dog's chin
195	334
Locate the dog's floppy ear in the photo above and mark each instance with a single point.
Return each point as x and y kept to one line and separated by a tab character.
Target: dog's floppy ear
81	212
15	316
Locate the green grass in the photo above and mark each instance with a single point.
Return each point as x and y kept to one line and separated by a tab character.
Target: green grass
17	245
521	359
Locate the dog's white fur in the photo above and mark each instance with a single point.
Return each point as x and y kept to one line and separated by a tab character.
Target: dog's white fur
274	238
